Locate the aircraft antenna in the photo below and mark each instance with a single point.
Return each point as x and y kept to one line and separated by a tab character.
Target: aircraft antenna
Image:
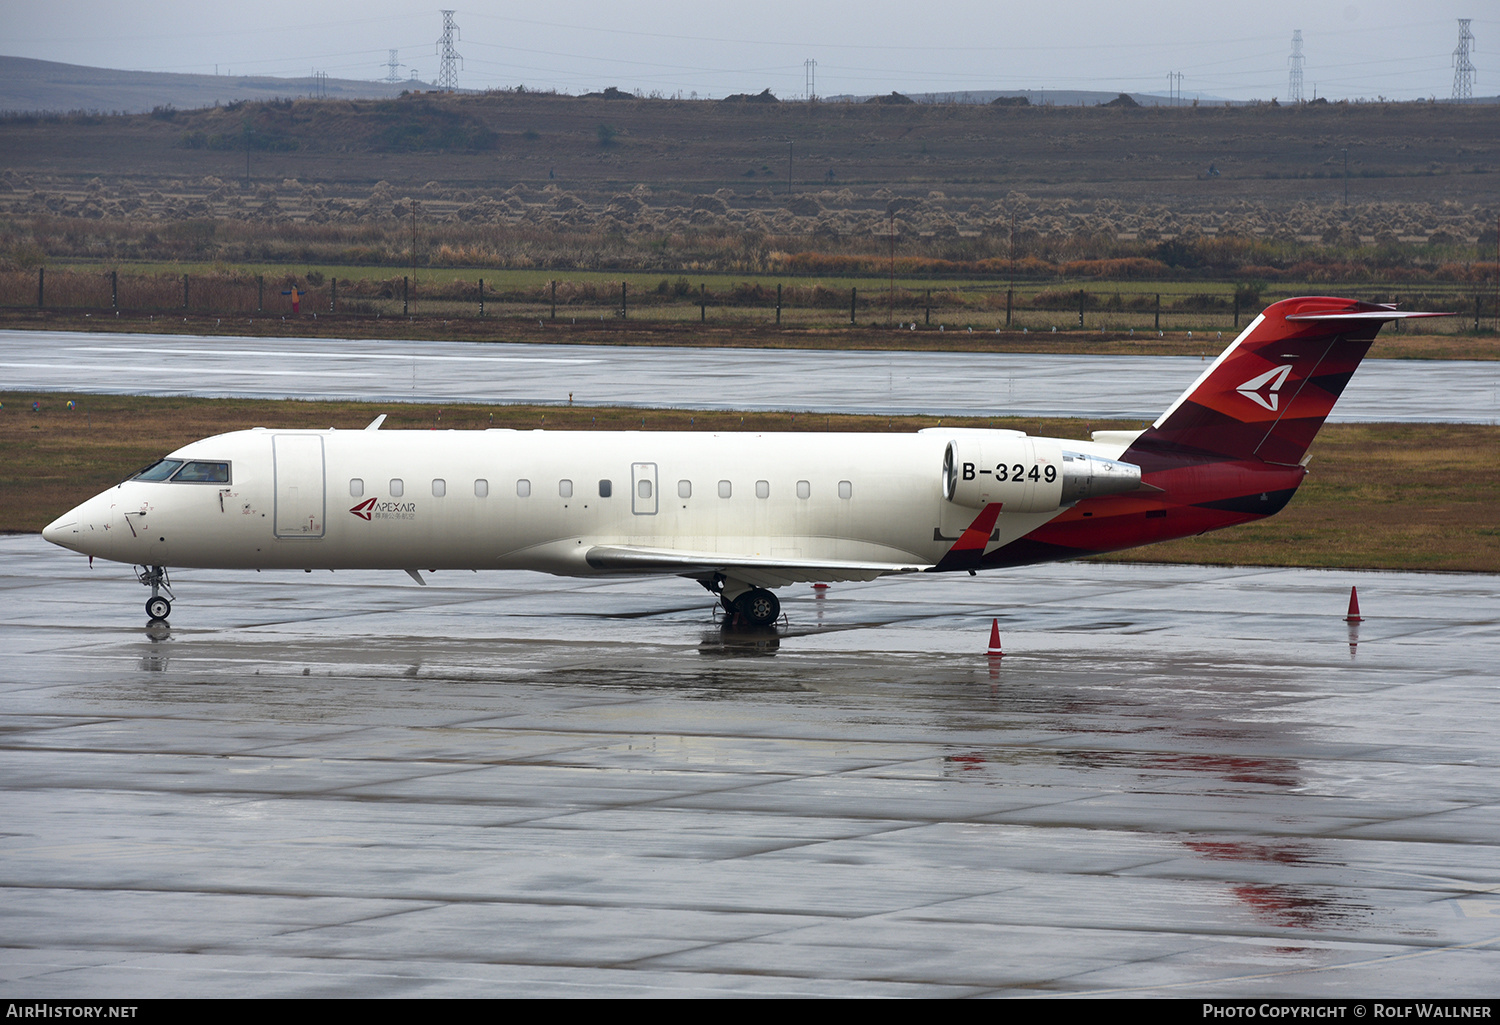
391	65
1294	82
448	70
1463	68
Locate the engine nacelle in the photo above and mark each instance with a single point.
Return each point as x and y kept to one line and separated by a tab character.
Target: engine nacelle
1029	475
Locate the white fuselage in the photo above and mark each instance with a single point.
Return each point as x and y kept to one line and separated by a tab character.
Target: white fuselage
536	500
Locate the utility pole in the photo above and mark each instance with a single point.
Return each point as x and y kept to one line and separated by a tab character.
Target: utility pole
448	68
391	65
1294	82
891	302
1174	87
789	168
811	67
1463	68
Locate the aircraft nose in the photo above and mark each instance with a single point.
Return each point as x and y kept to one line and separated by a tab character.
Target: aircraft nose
63	531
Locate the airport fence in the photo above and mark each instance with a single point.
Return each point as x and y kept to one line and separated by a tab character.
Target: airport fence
1034	307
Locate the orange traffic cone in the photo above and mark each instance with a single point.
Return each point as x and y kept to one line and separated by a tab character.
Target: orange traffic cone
1353	616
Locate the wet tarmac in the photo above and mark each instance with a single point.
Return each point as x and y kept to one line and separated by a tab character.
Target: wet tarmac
1177	782
941	384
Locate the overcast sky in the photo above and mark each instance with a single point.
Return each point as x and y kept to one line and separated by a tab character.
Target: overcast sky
1392	48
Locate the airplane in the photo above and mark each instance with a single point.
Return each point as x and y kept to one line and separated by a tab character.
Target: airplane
741	513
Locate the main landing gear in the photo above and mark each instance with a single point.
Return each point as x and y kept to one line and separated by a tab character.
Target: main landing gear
755	606
758	606
155	577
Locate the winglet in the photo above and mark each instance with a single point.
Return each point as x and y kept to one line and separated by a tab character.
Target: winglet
969	548
375	423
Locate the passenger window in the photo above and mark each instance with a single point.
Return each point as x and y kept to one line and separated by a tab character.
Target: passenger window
762	489
439	487
396	487
846	489
356	487
606	489
523	489
684	489
804	489
725	489
481	488
565	488
643	489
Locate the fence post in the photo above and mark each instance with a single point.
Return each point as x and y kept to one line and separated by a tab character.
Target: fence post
1158	311
333	296
1476	312
622	300
41	279
1081	296
929	308
405	295
114	289
481	297
1010	294
778	304
702	303
184	291
260	293
1237	309
554	298
853	294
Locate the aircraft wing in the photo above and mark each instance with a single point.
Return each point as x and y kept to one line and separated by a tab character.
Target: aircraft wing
756	571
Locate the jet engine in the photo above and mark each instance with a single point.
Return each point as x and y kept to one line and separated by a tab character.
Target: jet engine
1029	475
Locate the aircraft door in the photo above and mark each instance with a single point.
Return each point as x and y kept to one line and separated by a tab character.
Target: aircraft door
300	497
643	500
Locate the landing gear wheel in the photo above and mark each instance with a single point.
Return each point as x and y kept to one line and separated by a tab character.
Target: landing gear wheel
759	606
158	608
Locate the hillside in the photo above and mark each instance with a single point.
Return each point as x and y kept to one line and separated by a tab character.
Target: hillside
34	86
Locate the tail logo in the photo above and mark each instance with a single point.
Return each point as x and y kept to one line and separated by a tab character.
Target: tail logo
362	510
1265	389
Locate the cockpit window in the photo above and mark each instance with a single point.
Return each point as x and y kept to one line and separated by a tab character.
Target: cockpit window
198	471
159	470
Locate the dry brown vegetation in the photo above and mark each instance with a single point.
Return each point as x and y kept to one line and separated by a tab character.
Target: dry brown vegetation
521	181
1379	496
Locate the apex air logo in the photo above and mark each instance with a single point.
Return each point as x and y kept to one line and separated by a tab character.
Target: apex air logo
375	509
1265	389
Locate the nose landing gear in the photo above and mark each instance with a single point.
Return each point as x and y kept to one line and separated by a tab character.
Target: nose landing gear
155	577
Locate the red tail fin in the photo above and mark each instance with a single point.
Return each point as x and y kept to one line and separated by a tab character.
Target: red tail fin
1268	394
